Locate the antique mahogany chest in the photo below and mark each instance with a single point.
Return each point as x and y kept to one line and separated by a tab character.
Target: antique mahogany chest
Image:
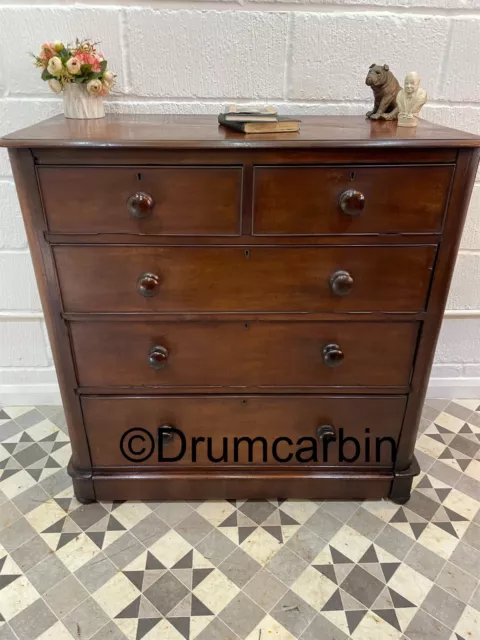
242	316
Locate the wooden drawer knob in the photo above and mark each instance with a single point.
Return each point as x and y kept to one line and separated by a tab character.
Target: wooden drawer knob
341	283
352	202
140	205
148	285
326	432
158	357
166	433
332	355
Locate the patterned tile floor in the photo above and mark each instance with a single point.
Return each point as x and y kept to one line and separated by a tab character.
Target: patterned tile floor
224	570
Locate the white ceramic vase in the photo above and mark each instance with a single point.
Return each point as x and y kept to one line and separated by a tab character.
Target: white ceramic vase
78	103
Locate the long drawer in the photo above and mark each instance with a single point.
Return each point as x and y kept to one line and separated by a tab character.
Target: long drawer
264	279
332	200
125	431
140	200
238	354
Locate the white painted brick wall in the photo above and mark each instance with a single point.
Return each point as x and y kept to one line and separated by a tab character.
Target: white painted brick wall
465	290
304	56
207	54
23	344
12	230
471	231
456	340
458	86
18	289
331	53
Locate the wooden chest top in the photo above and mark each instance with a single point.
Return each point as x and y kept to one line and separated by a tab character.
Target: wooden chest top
198	131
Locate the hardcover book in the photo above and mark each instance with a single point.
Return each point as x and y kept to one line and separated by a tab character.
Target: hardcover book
281	124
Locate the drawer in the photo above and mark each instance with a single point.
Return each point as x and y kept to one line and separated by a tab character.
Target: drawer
331	200
164	200
124	431
264	279
253	354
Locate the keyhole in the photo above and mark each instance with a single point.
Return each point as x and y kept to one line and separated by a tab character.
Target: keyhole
139	176
352	176
246	326
247	254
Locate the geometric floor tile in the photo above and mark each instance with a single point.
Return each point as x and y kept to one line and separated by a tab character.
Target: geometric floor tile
239	569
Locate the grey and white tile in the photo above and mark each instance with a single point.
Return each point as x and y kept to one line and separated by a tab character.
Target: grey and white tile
239	569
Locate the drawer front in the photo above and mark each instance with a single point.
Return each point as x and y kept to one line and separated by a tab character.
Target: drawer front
124	431
253	354
331	200
264	279
138	200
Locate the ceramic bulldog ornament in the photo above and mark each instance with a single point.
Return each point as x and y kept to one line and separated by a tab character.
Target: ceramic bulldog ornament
385	88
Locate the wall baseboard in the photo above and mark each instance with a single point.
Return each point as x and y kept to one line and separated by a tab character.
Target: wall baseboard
13	395
454	388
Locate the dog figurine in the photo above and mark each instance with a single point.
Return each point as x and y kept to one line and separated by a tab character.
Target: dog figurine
385	88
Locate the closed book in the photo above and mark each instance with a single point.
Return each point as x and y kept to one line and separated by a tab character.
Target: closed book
283	124
237	108
250	117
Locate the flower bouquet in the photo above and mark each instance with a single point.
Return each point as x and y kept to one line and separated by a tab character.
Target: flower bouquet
80	72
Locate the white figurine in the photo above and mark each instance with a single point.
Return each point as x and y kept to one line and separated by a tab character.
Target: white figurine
410	100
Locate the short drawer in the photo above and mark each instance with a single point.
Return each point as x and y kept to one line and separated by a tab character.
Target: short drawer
261	354
264	279
350	199
187	201
125	431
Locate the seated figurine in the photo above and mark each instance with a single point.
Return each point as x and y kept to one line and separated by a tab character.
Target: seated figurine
385	87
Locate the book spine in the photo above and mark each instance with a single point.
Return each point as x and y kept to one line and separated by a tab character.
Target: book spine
236	126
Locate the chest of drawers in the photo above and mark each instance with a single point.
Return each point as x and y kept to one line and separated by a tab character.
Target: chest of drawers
242	316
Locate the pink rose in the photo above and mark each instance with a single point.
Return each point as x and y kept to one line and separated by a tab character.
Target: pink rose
47	51
87	58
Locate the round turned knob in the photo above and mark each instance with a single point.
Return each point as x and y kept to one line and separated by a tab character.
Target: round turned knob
157	357
140	205
148	285
332	355
352	202
326	432
167	434
341	283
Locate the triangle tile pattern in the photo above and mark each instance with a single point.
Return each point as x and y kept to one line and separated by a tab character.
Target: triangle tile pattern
251	515
160	592
141	570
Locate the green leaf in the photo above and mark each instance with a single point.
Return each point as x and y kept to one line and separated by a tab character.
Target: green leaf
103	66
46	75
85	68
94	75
